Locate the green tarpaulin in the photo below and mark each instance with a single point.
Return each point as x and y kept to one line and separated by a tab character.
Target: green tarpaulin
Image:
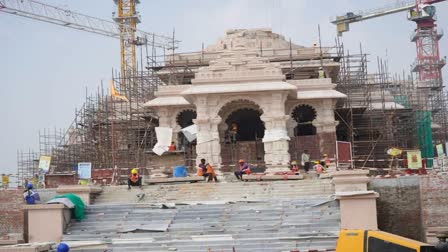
402	100
78	212
424	134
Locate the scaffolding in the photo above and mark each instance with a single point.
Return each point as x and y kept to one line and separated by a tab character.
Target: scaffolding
384	111
381	111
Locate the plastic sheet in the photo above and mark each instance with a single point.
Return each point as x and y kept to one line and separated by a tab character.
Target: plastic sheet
164	138
190	132
273	135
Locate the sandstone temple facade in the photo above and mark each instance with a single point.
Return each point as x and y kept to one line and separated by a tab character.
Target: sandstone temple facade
268	86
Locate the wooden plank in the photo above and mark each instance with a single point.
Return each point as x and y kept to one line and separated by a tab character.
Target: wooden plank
272	177
173	180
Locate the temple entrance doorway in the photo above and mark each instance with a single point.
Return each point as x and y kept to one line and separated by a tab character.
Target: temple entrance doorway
305	137
241	133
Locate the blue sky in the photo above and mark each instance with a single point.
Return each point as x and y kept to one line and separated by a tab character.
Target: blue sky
45	69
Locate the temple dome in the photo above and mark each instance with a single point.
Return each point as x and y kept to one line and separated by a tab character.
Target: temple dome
251	39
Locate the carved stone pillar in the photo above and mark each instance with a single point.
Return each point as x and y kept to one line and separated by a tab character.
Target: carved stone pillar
208	146
164	117
290	126
167	118
276	146
176	130
326	128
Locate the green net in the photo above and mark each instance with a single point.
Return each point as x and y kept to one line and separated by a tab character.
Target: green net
424	135
78	212
402	100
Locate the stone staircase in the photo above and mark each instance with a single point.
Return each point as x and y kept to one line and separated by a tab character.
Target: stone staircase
302	225
205	217
218	192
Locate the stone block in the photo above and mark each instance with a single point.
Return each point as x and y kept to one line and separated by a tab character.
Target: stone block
46	222
84	192
358	211
350	180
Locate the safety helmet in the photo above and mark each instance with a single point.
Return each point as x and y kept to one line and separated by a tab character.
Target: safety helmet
316	162
134	171
325	155
29	186
241	161
294	163
320	68
63	247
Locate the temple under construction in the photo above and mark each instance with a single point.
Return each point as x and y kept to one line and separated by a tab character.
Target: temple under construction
376	111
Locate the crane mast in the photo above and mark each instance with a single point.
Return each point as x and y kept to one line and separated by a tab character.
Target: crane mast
127	19
124	28
428	65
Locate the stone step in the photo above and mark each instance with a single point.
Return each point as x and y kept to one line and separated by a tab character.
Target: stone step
200	192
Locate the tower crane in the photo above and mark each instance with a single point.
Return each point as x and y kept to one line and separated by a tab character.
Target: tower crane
124	28
428	64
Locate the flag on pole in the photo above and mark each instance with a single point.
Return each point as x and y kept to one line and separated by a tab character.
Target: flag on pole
114	92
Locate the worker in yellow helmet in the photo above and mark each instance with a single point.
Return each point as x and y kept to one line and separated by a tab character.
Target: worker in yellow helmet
318	167
134	179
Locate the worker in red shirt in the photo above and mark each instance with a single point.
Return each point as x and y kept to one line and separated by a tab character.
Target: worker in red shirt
172	147
134	179
243	169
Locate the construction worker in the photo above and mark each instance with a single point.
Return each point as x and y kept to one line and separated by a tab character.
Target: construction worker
30	196
305	161
295	167
211	175
202	169
243	169
62	247
318	167
325	161
321	73
172	147
233	132
134	179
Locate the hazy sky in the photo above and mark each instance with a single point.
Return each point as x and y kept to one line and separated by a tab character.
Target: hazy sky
45	69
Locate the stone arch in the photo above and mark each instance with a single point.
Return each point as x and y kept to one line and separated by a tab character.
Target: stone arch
246	114
304	115
233	105
234	100
184	118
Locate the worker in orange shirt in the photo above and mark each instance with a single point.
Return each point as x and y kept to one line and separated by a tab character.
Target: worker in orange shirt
211	175
202	169
243	169
207	171
172	147
134	179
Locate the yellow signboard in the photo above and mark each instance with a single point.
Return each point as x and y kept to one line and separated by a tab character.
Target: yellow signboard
414	159
5	180
44	163
394	152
